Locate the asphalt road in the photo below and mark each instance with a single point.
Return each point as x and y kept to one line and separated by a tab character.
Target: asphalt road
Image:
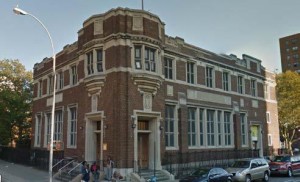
284	179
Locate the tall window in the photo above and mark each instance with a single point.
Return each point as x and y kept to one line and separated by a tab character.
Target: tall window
145	58
47	129
201	126
99	60
58	126
225	81
267	91
169	126
74	76
72	139
40	88
268	117
227	128
240	85
168	68
90	63
210	128
219	127
253	87
60	80
243	129
138	57
37	133
190	72
50	84
150	59
191	126
270	141
209	77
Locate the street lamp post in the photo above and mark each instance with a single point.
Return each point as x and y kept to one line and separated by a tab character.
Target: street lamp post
19	11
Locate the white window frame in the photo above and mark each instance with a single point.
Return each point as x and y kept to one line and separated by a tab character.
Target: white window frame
60	83
73	74
175	127
38	130
90	63
226	83
93	63
228	134
240	84
202	126
146	59
210	76
253	87
40	88
270	140
169	67
58	126
268	117
72	126
192	129
219	128
210	128
50	84
244	126
191	72
47	129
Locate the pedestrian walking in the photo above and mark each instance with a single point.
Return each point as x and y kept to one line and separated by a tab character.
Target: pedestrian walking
109	168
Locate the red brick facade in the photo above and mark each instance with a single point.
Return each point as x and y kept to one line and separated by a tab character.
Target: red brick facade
134	105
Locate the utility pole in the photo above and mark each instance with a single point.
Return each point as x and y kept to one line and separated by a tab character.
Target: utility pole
143	5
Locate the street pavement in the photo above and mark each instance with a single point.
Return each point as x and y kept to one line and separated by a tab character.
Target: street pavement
11	172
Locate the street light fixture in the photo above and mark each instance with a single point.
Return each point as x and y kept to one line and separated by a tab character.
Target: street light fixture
19	11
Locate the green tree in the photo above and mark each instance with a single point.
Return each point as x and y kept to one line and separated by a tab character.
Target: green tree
15	101
288	96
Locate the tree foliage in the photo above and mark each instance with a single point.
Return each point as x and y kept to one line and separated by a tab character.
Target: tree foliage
15	101
288	96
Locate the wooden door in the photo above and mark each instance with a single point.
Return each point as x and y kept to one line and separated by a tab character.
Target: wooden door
143	150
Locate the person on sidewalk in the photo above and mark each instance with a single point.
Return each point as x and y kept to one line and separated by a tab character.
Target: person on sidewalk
85	172
109	168
95	171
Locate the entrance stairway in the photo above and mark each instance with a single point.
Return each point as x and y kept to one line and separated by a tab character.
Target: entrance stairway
160	175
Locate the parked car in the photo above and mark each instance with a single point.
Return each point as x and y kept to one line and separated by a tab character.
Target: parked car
246	170
208	175
285	165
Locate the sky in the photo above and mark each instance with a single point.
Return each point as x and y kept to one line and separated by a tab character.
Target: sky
237	27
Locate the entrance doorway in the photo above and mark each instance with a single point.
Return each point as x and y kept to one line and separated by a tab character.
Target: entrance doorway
143	148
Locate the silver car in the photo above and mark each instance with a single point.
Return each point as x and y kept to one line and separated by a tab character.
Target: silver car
246	170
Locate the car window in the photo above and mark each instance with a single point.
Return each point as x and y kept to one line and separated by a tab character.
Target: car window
201	172
213	171
221	171
254	163
282	159
241	164
263	162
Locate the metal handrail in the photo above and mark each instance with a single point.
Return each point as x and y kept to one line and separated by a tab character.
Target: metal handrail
74	168
66	164
58	163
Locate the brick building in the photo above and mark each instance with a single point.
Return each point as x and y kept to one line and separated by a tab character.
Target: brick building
128	90
290	52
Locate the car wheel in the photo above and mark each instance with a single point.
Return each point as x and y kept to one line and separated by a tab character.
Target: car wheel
229	180
248	178
289	172
266	177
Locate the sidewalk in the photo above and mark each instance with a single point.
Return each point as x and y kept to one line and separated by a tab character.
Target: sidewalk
11	172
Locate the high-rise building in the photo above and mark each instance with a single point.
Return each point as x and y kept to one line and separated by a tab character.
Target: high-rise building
290	52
